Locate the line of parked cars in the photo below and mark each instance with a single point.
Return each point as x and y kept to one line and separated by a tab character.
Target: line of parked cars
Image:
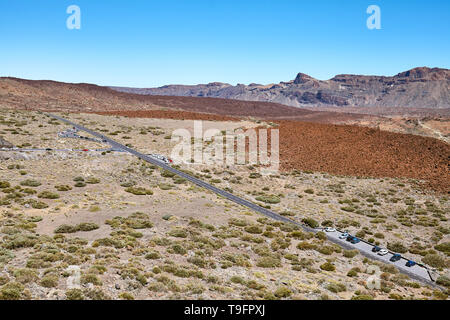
376	249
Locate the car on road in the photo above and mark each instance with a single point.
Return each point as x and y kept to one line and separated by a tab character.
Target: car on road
330	229
395	257
48	149
376	249
349	237
383	252
343	235
410	263
355	240
161	158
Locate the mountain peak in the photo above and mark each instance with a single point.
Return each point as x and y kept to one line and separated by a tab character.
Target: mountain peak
303	78
426	73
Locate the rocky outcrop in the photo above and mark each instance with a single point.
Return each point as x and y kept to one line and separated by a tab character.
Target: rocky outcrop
416	88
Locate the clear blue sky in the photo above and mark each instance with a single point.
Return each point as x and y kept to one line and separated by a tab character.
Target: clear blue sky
151	43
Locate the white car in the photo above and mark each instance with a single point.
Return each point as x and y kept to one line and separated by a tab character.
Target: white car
383	252
330	229
160	158
343	235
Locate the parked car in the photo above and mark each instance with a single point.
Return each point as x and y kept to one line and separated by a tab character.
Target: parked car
395	257
355	240
343	235
349	237
330	229
410	263
376	249
383	252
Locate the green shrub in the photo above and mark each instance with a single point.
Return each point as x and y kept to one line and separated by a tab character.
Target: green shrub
362	297
283	292
30	183
139	191
328	266
336	287
254	229
4	184
25	275
74	294
48	195
65	229
87	226
443	247
126	296
49	281
350	253
272	199
443	281
90	278
435	261
80	184
92	180
397	247
11	291
63	188
310	222
268	262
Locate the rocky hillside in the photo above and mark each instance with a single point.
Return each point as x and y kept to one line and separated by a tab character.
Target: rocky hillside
416	88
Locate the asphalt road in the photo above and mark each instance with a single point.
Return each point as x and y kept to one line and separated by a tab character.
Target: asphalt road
416	272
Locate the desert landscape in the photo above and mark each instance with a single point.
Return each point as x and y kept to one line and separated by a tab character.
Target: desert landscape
80	220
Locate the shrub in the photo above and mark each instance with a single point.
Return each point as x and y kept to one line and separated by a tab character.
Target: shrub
63	188
435	261
397	247
272	199
126	296
350	253
254	229
65	229
87	226
178	233
11	291
352	273
268	262
336	287
167	174
443	247
92	180
362	297
49	281
152	255
283	292
48	195
74	294
310	222
444	281
4	184
25	275
309	191
80	184
139	191
30	183
328	266
90	278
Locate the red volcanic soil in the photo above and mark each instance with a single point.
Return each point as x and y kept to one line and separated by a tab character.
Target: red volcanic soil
169	114
46	95
360	151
